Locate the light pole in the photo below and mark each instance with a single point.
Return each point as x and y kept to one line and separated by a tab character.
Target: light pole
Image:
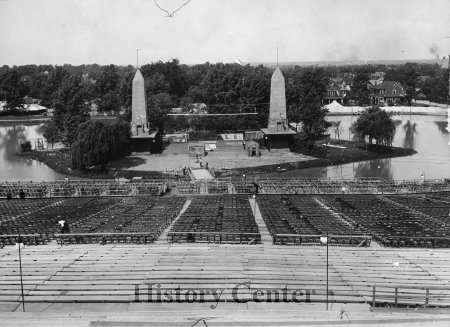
324	241
19	242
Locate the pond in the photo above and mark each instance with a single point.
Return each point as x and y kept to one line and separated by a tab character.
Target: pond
425	134
15	168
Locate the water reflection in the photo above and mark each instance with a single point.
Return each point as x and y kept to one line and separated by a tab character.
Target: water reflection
10	143
374	168
13	167
431	144
410	130
442	126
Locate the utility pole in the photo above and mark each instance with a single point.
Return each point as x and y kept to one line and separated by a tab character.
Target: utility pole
448	66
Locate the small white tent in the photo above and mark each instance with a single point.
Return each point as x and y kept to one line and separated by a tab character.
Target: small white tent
334	106
35	107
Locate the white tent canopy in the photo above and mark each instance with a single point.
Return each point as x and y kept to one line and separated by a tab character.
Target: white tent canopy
35	107
334	105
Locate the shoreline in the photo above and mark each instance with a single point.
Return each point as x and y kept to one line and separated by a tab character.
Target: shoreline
333	158
395	113
23	120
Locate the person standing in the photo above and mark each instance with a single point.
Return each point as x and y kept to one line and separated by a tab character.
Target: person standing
64	227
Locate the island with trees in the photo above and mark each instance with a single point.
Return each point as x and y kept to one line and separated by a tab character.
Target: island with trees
76	94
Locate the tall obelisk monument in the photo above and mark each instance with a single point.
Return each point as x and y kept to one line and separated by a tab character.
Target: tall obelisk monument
138	105
277	112
277	134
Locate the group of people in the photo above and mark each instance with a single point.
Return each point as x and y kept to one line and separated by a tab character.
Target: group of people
21	195
200	161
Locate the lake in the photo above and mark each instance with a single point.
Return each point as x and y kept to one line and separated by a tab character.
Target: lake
425	134
15	168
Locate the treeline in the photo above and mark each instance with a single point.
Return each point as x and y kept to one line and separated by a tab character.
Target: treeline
421	81
225	88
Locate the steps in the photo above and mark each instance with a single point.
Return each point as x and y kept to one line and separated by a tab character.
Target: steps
266	238
109	273
163	237
262	314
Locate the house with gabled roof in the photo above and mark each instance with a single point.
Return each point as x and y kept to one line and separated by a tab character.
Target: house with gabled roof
376	78
335	92
388	92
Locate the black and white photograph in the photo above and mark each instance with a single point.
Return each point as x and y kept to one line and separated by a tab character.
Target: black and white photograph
224	163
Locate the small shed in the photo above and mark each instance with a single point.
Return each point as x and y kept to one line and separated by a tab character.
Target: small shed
197	150
253	149
147	143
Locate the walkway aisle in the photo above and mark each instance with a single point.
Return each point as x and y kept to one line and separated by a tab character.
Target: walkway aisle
201	173
266	238
163	237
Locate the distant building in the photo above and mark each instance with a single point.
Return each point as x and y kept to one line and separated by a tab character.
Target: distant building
178	110
339	89
348	81
388	92
29	100
376	78
335	93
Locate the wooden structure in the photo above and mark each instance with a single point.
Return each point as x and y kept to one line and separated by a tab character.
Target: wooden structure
151	143
253	149
92	273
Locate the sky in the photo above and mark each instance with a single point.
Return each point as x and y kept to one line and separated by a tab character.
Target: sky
109	31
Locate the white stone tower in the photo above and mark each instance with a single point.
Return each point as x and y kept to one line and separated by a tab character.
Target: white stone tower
138	105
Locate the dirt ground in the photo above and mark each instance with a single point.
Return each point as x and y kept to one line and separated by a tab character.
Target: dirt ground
229	155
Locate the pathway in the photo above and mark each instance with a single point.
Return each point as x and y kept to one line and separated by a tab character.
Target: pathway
266	238
163	237
201	173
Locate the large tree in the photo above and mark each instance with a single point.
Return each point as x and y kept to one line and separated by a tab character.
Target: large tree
71	108
12	89
375	124
360	92
107	87
51	83
304	94
435	88
51	133
159	106
100	141
125	88
410	81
